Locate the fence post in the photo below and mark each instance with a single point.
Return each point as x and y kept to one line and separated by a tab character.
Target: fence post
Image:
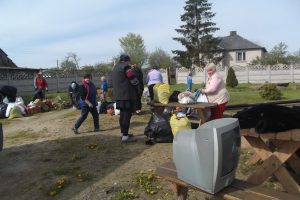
247	73
57	82
8	77
292	73
269	72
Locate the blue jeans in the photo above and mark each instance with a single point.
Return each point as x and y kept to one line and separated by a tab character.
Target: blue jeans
84	113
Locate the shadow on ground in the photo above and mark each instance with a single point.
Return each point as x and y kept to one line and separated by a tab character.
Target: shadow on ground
30	171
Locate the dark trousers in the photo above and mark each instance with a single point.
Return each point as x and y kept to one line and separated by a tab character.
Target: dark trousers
84	113
39	94
75	99
138	105
124	120
151	93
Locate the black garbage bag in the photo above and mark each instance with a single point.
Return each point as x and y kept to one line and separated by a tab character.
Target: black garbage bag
3	107
9	91
269	118
158	129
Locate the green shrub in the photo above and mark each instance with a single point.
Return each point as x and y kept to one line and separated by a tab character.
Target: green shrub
270	91
231	80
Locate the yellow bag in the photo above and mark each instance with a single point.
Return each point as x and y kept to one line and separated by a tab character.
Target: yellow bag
161	93
178	124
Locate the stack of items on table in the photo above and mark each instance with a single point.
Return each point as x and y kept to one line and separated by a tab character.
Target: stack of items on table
162	126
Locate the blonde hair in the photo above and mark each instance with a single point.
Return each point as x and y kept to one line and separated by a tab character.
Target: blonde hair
211	66
103	78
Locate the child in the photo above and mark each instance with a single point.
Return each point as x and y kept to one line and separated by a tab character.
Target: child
189	82
103	88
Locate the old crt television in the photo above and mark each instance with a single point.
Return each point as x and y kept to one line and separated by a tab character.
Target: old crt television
207	157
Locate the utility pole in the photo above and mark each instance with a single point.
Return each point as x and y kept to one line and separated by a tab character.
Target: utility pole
57	64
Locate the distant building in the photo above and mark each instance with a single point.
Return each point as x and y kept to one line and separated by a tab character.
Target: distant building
5	61
239	51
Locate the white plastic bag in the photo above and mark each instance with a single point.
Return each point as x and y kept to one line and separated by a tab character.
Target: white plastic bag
202	98
117	111
98	106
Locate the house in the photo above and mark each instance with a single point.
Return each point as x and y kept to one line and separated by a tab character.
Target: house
11	74
5	61
239	51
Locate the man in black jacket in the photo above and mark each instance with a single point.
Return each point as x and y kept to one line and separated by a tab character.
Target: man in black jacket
125	90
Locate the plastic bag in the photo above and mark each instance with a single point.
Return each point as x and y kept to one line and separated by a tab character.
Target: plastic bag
158	129
117	111
161	93
178	124
186	97
202	98
15	112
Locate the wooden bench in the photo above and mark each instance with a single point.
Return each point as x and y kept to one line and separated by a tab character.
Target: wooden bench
239	190
285	145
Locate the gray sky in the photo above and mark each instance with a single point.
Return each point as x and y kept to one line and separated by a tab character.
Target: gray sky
37	33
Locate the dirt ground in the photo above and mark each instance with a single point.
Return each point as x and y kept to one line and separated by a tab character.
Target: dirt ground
41	149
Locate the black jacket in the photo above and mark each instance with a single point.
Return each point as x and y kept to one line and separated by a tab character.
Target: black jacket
122	88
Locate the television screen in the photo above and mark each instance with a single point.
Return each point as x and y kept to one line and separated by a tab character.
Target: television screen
208	156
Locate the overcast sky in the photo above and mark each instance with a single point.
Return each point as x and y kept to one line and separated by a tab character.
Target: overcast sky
37	33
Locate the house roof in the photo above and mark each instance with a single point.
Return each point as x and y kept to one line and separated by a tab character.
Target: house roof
236	42
5	60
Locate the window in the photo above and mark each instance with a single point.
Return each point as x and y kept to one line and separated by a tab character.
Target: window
241	56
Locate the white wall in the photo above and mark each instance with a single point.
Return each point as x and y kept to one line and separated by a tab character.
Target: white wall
248	74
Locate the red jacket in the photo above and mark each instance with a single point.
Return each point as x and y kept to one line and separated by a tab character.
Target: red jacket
40	83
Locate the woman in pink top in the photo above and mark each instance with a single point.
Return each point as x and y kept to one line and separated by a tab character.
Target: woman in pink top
216	91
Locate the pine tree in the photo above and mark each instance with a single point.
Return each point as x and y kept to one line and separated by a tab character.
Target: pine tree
197	35
231	80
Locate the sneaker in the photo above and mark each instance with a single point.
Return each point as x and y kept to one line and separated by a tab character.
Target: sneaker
129	135
138	112
75	130
96	129
128	139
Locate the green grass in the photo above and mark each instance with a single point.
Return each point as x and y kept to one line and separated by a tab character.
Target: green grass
248	93
63	95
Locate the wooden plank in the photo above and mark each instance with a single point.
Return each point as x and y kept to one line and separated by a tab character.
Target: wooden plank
243	185
296	134
180	192
201	114
261	149
287	181
286	135
253	133
192	105
239	190
273	163
294	162
244	132
268	136
264	171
